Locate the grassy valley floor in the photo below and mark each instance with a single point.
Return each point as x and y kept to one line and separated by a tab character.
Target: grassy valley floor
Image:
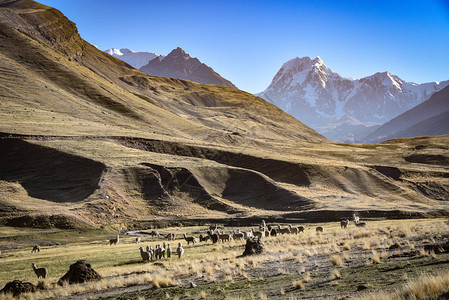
333	264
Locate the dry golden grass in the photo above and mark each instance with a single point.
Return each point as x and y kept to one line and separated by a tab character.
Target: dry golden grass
208	262
337	260
375	257
298	285
306	278
425	287
335	274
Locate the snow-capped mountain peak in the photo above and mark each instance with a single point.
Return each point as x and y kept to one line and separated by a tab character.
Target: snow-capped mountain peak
307	89
135	59
114	52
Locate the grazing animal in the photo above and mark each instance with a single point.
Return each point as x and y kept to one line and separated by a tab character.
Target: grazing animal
164	249
238	236
213	227
283	230
36	248
40	272
146	256
293	230
273	232
170	236
114	241
151	251
247	234
319	229
154	233
204	238
190	239
301	229
180	250
225	237
355	218
262	226
258	234
157	251
344	223
360	224
213	236
138	240
168	250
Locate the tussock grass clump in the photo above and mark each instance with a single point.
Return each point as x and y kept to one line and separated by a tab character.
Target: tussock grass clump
375	257
335	274
336	260
306	277
298	285
425	287
366	245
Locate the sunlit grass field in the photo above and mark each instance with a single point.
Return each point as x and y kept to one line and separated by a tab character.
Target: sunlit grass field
292	265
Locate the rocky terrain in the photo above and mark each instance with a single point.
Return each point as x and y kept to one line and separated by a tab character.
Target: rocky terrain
179	64
89	140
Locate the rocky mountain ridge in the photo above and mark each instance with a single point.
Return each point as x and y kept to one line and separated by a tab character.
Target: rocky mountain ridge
179	64
307	89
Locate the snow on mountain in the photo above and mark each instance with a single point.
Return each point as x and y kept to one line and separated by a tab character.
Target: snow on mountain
307	89
135	59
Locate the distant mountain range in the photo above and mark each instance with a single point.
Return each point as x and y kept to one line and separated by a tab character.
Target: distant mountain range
428	118
135	59
177	64
340	108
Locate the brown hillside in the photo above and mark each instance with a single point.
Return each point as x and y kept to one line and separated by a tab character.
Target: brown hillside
88	138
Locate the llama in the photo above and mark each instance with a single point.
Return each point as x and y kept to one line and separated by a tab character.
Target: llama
225	237
145	255
258	234
40	272
293	230
213	236
355	218
114	241
170	236
204	238
180	250
36	248
344	224
360	224
283	230
168	250
190	239
319	229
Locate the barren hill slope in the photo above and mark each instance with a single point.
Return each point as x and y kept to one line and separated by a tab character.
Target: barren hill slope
427	118
89	138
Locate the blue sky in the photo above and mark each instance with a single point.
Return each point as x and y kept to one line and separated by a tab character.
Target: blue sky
248	41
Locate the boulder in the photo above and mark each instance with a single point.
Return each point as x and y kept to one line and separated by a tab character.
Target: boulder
253	246
80	272
18	287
